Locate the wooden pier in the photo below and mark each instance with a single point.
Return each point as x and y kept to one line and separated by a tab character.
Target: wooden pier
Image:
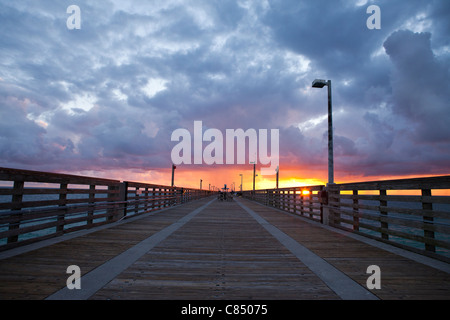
175	248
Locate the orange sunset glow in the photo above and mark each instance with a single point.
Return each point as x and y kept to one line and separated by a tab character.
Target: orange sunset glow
216	177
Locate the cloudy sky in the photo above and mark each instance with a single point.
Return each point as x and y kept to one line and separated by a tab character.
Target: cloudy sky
104	100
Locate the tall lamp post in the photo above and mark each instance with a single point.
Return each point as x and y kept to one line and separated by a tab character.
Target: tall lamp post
318	83
241	180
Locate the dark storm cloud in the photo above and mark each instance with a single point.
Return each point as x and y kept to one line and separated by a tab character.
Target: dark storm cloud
420	85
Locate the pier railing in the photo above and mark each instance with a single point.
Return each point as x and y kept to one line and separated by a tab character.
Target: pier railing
410	213
303	201
39	205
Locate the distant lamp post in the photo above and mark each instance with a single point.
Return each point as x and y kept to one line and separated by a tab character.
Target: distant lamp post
278	171
201	184
254	176
318	83
241	180
173	173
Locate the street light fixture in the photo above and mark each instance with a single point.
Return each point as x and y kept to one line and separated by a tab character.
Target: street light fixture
319	83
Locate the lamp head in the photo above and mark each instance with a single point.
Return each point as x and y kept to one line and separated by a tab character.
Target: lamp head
319	83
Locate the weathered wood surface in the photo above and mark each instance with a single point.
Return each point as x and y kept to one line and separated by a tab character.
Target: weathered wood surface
222	253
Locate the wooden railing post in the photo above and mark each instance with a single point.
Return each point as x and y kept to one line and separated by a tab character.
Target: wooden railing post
136	201
112	209
272	197
383	212
296	201
91	203
176	194
334	206
302	208
355	211
282	199
286	200
146	199
321	203
123	197
311	214
17	204
275	198
428	220
326	212
62	198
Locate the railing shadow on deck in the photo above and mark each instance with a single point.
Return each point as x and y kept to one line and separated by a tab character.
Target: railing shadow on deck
413	214
36	205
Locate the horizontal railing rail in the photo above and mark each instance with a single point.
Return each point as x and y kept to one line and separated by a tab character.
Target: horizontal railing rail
36	205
